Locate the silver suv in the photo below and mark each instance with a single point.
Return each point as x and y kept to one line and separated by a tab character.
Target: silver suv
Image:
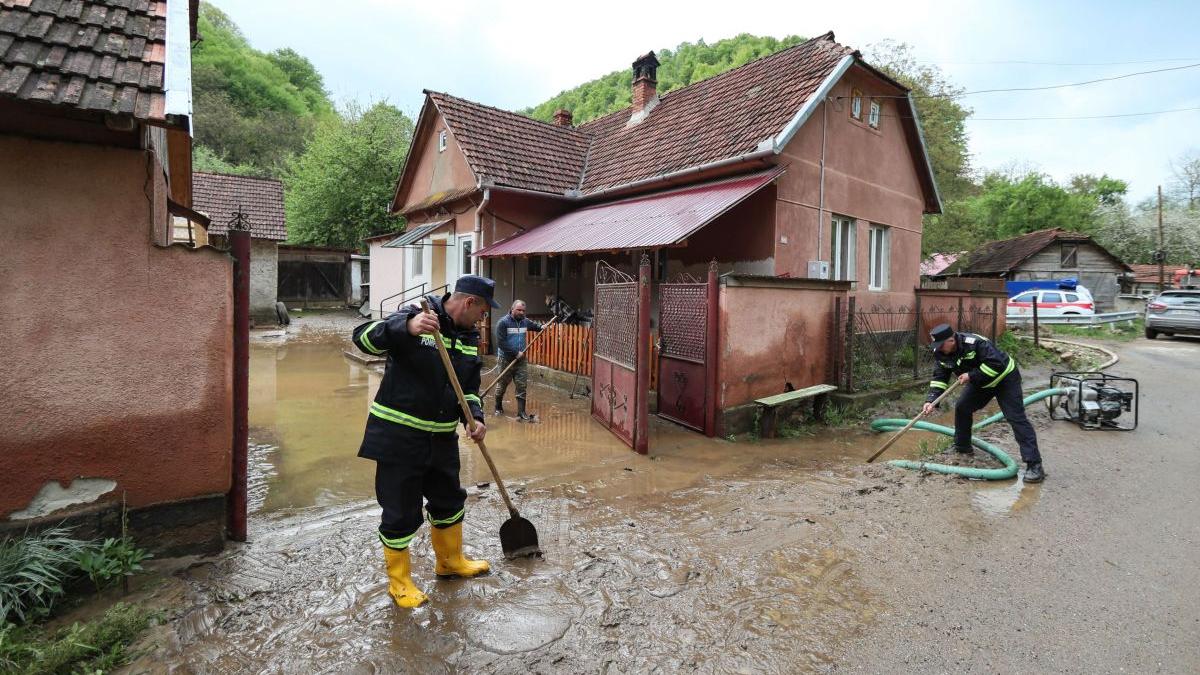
1173	312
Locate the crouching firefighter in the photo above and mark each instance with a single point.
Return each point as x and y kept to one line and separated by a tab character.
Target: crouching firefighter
411	429
987	372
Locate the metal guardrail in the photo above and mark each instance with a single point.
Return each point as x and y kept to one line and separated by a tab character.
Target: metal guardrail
1075	319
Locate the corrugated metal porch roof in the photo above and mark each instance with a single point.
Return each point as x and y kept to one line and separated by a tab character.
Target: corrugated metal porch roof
417	233
647	221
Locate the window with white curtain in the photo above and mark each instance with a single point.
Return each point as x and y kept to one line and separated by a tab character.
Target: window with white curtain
880	257
842	257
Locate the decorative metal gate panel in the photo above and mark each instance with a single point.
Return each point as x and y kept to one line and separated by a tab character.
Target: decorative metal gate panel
686	354
620	357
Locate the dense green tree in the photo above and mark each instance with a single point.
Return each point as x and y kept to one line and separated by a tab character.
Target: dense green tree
687	63
205	159
1106	191
251	108
337	192
1008	207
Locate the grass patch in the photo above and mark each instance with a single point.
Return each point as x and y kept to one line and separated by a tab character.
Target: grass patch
930	448
1125	331
1025	351
97	646
34	570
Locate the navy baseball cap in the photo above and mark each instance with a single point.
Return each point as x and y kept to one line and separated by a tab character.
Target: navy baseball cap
939	335
476	285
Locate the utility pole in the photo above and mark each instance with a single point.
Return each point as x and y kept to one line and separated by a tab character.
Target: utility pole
1162	253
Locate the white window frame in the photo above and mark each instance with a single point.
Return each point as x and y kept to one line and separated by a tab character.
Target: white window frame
442	140
856	99
466	246
416	261
880	257
843	233
874	114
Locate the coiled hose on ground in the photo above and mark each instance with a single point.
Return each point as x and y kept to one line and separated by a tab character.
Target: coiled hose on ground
1009	470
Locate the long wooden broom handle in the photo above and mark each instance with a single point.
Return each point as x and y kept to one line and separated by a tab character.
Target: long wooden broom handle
466	410
908	426
519	356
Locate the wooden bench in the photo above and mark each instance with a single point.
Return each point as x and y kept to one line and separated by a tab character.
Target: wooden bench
767	405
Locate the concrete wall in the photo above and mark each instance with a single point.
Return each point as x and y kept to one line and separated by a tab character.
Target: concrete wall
118	352
870	176
264	280
387	275
787	342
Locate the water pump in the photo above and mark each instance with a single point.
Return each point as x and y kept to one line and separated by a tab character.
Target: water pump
1095	400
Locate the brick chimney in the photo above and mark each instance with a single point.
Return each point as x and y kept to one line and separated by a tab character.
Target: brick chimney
562	117
645	86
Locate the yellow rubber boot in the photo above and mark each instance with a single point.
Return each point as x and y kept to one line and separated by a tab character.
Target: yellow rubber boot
447	543
400	583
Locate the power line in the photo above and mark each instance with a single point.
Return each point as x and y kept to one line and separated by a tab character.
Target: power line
1080	84
1040	88
1071	117
1058	63
1083	117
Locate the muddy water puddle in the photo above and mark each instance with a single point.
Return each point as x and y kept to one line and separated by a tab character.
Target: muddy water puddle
706	555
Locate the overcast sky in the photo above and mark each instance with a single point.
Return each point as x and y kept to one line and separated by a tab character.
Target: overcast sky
516	54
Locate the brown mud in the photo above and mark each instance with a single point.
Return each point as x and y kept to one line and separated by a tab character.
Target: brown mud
788	555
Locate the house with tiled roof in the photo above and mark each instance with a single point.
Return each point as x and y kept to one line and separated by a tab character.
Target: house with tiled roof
220	197
807	165
1047	255
119	340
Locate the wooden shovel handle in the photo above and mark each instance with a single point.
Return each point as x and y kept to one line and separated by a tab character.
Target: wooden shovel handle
916	419
466	411
519	356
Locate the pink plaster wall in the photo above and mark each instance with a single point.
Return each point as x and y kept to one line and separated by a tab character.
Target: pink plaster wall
770	337
118	353
434	171
870	175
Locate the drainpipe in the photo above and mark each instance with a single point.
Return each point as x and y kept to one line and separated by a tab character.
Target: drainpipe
821	197
239	241
478	244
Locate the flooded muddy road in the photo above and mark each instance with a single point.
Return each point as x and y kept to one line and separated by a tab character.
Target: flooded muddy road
710	556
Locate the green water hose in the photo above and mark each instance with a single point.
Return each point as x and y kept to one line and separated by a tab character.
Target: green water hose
1009	468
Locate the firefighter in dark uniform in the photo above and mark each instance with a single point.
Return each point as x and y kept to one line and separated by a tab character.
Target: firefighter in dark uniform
411	429
987	372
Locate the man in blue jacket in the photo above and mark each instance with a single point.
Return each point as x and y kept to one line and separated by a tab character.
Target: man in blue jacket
511	332
411	429
987	373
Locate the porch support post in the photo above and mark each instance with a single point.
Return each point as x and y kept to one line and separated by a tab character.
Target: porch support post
712	387
641	441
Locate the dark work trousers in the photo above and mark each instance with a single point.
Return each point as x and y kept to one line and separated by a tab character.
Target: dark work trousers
426	468
519	374
1008	395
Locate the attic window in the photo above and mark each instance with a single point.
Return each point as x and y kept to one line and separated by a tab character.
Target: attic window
1069	255
442	140
873	118
856	104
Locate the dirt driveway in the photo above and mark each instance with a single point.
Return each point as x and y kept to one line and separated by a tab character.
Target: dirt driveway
709	556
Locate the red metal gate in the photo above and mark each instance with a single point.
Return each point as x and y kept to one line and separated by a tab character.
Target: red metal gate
620	362
687	313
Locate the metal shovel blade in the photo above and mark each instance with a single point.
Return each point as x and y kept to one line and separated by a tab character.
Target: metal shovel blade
518	538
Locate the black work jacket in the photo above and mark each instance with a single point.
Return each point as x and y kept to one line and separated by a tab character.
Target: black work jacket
416	401
974	354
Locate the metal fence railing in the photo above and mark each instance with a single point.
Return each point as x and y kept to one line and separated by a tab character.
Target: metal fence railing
882	346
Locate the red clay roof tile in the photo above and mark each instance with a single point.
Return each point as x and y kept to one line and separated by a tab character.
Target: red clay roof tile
219	196
102	55
714	119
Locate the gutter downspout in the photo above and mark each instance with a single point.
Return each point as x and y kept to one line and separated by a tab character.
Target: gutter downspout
821	198
478	242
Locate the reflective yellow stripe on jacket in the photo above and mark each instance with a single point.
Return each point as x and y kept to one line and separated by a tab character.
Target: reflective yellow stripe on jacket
365	340
990	372
392	415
